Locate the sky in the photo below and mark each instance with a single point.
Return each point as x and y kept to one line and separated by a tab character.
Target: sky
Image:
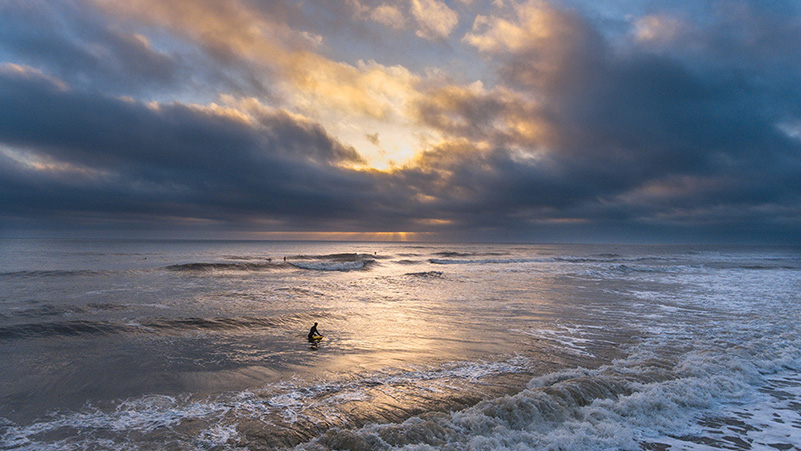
421	120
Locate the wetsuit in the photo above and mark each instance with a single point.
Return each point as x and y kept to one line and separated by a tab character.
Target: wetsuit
313	332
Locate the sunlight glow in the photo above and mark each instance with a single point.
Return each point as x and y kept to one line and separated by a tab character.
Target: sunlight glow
43	163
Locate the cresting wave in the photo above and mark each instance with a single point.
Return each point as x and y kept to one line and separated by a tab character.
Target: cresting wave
275	416
425	274
451	254
33	274
642	402
157	325
602	258
192	267
450	261
541	347
333	266
330	262
343	257
693	400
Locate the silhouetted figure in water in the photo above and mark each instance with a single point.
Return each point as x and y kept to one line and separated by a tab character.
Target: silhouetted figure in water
313	332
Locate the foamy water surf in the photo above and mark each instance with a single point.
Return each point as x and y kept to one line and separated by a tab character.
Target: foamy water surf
202	345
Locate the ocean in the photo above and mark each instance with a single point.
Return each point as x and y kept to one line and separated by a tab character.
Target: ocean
202	345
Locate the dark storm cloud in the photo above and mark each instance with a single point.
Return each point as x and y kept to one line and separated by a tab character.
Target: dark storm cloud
69	39
635	136
686	130
78	43
89	153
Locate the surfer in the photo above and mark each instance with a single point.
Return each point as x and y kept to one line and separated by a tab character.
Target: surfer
313	333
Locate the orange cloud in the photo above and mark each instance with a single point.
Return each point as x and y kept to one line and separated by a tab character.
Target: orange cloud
496	117
386	14
342	97
234	30
529	24
537	42
435	18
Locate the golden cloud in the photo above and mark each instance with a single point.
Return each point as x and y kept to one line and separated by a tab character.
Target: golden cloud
529	24
536	42
339	95
497	117
435	18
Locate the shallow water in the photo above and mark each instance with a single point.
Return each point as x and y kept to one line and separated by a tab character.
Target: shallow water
202	345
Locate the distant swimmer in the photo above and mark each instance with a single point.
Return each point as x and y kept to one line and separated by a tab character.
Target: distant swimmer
314	334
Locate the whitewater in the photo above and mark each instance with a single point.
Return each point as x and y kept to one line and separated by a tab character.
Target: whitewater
201	345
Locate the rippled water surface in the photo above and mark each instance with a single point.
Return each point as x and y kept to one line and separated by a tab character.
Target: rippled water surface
202	345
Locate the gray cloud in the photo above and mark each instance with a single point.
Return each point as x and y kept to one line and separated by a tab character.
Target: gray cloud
681	141
108	155
70	40
636	138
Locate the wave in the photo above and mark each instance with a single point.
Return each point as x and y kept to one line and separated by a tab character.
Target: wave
643	402
652	399
332	266
59	329
278	415
160	325
341	257
425	274
644	268
451	254
758	267
45	310
334	262
57	273
200	267
328	262
490	261
246	258
338	265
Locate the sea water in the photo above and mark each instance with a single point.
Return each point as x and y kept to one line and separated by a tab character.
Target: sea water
202	345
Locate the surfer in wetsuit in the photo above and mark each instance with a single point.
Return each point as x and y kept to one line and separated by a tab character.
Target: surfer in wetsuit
313	332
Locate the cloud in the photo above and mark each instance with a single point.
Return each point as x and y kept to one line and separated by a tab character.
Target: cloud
388	15
658	29
340	95
159	159
491	118
236	31
536	42
630	137
434	18
67	39
676	123
373	138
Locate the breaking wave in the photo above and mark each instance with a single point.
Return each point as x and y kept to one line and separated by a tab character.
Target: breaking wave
329	262
56	273
488	261
426	274
452	254
332	266
648	400
642	402
243	266
157	325
343	257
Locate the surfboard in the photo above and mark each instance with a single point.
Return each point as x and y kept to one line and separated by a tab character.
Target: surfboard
317	337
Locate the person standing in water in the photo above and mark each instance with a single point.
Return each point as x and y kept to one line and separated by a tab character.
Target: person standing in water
313	332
